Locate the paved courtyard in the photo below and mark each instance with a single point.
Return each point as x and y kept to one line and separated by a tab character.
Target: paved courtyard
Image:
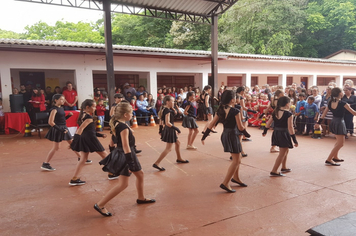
189	200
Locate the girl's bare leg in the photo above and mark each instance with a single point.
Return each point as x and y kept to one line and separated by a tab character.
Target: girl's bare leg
102	154
122	185
340	141
236	159
190	137
80	164
164	153
194	135
284	162
210	118
177	148
281	155
76	153
139	184
52	151
236	174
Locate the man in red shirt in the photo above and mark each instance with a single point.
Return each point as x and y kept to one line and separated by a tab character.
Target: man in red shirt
71	97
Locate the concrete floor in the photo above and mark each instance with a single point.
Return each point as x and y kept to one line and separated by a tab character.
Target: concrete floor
189	200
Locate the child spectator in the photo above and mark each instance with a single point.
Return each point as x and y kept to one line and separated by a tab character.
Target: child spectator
100	111
311	114
133	104
129	96
300	113
159	102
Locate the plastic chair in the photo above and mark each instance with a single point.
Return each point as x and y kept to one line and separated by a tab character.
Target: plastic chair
41	121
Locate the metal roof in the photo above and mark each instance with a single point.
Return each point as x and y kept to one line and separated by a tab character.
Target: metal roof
15	44
197	11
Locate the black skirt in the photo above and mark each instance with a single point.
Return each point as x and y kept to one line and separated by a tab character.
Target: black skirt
117	163
86	143
281	138
169	135
189	122
230	140
209	110
337	126
57	136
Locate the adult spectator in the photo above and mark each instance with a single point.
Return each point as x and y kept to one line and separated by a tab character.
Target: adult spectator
317	97
57	90
97	95
48	96
140	91
142	108
22	88
348	117
15	91
71	97
128	88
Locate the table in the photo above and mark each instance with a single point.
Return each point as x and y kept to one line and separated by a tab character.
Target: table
16	121
72	122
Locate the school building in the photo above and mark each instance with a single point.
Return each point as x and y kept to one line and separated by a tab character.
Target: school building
52	63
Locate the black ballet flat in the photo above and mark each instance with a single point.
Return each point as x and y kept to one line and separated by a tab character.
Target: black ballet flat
239	183
244	155
227	189
230	157
138	201
179	161
331	164
272	174
98	209
157	167
286	170
337	160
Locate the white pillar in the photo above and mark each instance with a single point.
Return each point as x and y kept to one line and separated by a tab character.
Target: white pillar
312	80
84	84
6	87
339	80
152	83
246	79
282	80
205	80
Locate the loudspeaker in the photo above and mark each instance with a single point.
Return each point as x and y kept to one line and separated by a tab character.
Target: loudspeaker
16	102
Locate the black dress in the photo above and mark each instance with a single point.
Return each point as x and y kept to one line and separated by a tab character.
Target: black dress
229	137
281	136
169	135
87	141
208	110
189	120
116	162
55	135
337	124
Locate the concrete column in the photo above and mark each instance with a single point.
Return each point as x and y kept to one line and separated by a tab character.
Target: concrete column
152	83
282	80
83	78
339	80
205	80
198	80
246	79
6	87
312	80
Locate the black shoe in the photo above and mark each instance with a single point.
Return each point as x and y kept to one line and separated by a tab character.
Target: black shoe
331	164
138	201
76	182
272	174
97	208
47	167
244	155
180	161
286	170
337	160
157	167
137	151
239	183
246	139
112	176
87	162
227	189
230	157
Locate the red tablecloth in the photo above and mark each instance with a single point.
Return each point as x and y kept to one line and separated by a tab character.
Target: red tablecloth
72	121
16	121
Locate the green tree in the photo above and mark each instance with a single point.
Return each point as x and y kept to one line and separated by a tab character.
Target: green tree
5	34
262	26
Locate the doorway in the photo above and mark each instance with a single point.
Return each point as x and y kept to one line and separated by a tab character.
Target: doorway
35	79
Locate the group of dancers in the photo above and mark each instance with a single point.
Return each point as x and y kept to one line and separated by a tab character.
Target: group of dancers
122	160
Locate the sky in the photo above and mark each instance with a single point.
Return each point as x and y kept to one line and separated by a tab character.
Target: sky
15	15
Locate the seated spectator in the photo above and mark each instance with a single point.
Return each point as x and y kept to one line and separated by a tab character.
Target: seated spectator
140	91
127	89
159	92
71	97
129	96
151	107
142	109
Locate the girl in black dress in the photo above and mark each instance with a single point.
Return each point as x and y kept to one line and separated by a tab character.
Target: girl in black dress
58	131
230	117
168	132
123	160
283	132
337	125
189	120
208	108
85	139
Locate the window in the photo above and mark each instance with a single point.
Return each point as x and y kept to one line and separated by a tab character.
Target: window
323	81
272	80
100	80
234	81
254	81
289	81
178	81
